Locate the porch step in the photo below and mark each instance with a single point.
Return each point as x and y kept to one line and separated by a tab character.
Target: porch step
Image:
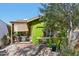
25	42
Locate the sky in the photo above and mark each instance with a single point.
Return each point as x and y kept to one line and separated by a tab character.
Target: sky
11	12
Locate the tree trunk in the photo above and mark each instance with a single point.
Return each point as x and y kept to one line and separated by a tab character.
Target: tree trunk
70	38
70	33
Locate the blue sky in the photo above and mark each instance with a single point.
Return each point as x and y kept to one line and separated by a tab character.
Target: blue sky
11	12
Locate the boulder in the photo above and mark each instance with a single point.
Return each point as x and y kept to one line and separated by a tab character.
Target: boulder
30	50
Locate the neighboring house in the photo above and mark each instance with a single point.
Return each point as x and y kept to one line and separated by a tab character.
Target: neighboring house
32	28
3	29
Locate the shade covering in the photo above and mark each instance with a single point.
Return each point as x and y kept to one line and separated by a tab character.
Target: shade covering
18	27
3	29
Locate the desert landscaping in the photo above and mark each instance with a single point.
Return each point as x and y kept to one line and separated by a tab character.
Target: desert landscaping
54	32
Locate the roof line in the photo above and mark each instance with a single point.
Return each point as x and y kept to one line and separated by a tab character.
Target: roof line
32	19
29	20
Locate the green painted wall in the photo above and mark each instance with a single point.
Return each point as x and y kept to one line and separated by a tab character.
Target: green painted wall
36	31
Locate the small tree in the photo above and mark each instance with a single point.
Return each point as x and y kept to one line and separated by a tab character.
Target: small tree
61	18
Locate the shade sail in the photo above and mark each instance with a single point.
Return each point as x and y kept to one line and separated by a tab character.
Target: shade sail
3	29
18	27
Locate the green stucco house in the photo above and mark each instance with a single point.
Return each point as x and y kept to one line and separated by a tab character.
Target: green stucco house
32	28
37	27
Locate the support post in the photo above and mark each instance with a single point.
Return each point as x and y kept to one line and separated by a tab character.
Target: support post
11	33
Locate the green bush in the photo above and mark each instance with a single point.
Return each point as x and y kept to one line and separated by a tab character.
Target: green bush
4	41
65	50
68	52
49	42
53	41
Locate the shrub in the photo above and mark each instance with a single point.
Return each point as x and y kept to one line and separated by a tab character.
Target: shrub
49	42
53	41
65	50
4	41
69	52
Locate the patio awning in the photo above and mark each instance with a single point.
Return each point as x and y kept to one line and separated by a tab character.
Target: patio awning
19	27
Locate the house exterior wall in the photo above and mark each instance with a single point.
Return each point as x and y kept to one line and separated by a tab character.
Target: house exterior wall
36	31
